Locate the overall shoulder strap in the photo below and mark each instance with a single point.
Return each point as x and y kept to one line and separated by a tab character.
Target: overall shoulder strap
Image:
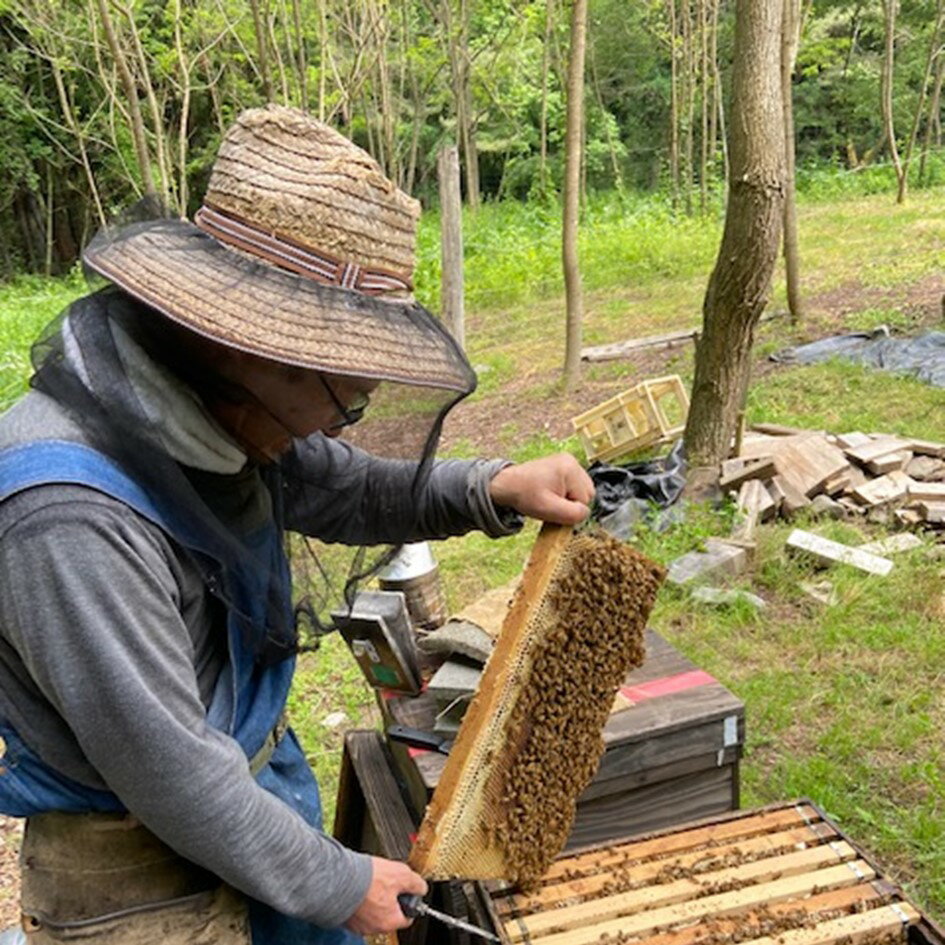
59	462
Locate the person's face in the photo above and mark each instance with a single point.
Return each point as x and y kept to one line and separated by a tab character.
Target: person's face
289	402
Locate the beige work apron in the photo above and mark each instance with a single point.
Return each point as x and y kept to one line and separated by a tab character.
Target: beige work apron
103	879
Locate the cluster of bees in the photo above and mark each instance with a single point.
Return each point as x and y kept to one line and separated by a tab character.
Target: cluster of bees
594	617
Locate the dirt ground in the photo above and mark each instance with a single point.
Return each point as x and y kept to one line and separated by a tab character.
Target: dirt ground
11	830
485	423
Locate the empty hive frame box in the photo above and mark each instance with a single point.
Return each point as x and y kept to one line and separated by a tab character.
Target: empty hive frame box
782	875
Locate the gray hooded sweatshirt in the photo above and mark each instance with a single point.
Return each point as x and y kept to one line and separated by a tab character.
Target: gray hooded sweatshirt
110	645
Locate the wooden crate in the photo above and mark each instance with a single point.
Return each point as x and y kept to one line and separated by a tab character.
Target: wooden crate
782	875
673	745
635	419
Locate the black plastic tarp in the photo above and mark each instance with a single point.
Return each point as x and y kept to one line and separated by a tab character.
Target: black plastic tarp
922	357
638	491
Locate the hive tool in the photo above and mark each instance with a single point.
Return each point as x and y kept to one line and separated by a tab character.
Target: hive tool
413	905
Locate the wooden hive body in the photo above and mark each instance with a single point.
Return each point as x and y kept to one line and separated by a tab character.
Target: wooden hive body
779	876
673	745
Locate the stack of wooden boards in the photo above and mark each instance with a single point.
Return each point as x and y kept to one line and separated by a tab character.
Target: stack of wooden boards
777	876
780	471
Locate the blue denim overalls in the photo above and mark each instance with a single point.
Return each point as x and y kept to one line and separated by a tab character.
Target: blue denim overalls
248	700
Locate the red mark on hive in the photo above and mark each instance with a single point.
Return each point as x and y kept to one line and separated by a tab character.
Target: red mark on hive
667	685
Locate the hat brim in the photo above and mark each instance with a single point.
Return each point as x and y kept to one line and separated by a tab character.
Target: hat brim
231	298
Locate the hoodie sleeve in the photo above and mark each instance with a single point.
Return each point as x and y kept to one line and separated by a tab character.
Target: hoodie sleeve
338	493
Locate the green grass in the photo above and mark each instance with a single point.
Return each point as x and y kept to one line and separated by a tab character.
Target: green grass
27	306
844	702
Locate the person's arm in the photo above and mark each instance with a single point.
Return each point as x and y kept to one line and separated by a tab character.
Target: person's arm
340	493
90	599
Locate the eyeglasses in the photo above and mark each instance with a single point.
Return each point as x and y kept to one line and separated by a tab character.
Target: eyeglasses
350	414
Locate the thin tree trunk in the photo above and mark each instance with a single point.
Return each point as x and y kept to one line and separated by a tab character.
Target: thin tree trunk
416	108
49	219
457	39
157	113
723	130
673	107
322	56
739	285
451	243
790	40
689	100
611	144
260	32
934	111
182	140
572	193
923	90
716	88
704	107
301	61
543	120
138	136
73	123
110	82
270	25
890	8
381	32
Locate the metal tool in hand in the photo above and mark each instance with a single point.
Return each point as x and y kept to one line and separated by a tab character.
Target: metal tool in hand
412	905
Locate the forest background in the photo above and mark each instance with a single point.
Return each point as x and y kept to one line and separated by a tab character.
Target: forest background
102	101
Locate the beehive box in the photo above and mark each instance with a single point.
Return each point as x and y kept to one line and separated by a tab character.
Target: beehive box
651	412
778	876
673	744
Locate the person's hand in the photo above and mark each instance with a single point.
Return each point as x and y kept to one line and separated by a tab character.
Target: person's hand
553	489
379	910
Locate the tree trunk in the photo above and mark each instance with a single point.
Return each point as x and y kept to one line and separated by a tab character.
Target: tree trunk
416	106
457	38
543	120
302	63
704	108
138	136
611	143
73	123
182	140
322	56
689	104
716	88
572	193
451	243
739	285
673	107
260	32
157	113
890	8
934	111
923	91
270	26
790	40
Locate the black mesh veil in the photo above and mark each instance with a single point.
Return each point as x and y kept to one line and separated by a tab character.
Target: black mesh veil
110	360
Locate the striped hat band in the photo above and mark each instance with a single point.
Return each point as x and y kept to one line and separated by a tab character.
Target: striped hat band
293	256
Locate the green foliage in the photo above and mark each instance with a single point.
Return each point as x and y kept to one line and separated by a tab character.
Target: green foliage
513	251
388	78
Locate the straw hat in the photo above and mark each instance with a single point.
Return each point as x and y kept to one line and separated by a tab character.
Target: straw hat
303	253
